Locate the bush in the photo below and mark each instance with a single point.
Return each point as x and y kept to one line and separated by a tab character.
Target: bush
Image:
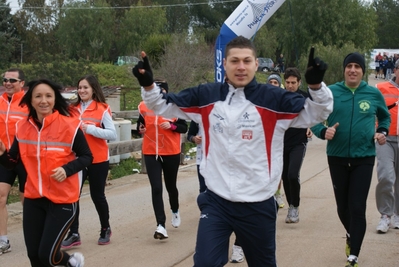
334	57
124	168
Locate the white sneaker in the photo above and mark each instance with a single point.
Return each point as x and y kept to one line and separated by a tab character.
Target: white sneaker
160	233
279	200
293	214
237	255
383	225
4	246
395	222
176	219
76	260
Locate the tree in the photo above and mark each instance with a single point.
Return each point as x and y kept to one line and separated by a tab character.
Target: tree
37	26
86	31
185	62
139	23
265	42
327	22
387	11
177	15
208	19
9	38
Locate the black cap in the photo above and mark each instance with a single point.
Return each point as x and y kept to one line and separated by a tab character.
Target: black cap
355	58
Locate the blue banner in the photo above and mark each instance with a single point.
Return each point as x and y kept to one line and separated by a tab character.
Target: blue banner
246	20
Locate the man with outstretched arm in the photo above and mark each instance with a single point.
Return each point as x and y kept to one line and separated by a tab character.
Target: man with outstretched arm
243	125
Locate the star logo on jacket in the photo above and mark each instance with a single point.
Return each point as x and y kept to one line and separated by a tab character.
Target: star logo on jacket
364	106
246	116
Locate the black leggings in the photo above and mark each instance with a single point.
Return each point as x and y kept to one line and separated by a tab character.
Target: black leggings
170	166
45	225
97	173
292	161
351	180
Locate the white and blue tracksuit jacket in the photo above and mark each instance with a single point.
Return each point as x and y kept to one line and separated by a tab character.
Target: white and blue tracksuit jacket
243	131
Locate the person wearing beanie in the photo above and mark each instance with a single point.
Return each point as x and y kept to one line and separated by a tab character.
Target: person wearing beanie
355	58
351	147
386	191
274	79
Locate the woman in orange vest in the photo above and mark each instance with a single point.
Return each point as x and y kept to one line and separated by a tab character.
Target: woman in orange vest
161	151
53	150
97	125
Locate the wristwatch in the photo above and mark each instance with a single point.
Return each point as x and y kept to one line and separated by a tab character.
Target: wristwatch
384	133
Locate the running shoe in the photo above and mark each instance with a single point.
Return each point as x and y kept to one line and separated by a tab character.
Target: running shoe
383	225
280	201
176	219
105	236
76	260
238	255
293	214
5	246
395	222
160	233
72	240
352	263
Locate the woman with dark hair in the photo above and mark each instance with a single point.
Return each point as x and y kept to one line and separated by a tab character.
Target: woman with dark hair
53	150
97	125
161	151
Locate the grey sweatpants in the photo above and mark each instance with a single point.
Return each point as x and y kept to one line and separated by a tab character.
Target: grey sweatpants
387	190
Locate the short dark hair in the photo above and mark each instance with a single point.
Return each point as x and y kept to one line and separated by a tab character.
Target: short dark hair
61	105
240	42
21	74
292	72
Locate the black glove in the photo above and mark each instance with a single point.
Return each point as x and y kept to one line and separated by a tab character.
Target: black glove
145	78
316	69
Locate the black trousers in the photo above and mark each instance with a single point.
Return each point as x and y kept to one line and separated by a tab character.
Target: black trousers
292	162
170	166
351	178
97	173
45	225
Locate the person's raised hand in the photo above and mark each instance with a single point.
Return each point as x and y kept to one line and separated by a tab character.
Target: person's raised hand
330	132
315	70
142	71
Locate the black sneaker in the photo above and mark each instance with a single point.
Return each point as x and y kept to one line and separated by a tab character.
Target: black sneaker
105	236
72	240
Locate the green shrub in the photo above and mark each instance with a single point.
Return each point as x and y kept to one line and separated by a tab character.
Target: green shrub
124	168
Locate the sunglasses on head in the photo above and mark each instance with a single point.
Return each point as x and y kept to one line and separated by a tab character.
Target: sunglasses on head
11	80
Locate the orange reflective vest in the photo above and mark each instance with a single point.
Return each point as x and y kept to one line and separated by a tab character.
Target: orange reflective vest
158	141
10	114
42	150
93	114
391	96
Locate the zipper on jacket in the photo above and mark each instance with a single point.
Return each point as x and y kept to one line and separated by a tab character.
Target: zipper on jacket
231	97
350	130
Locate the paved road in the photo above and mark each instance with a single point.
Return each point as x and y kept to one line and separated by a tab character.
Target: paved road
317	240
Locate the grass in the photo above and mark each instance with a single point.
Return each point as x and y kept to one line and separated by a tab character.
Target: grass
124	168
